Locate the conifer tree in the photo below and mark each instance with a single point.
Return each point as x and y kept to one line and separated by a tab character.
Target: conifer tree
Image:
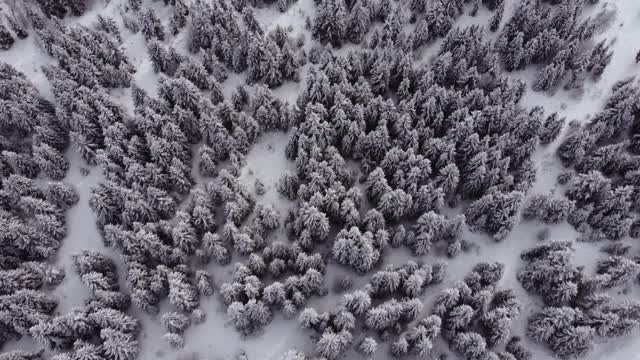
330	24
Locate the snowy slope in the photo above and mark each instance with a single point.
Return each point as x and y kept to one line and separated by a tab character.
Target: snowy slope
215	338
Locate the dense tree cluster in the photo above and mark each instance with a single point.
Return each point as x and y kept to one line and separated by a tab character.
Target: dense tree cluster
282	5
577	310
215	29
495	213
339	21
32	211
384	306
556	37
60	8
448	138
476	316
250	302
385	147
409	280
146	160
548	208
603	152
6	39
99	330
550	273
85	56
570	331
88	62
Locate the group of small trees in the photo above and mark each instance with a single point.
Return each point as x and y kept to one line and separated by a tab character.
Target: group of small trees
576	310
475	316
251	303
384	306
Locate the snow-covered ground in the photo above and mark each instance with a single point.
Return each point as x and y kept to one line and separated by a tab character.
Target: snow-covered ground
215	338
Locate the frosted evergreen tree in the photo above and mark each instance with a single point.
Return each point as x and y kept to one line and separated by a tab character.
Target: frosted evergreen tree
250	21
61	195
558	284
358	22
249	317
357	302
441	16
333	345
179	17
119	346
368	346
196	73
548	208
515	347
496	213
174	340
109	26
175	322
600	57
471	345
551	128
494	22
330	24
150	25
356	249
181	293
616	271
204	283
6	40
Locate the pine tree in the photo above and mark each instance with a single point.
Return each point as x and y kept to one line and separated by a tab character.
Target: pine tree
181	293
557	284
494	22
150	25
330	24
551	128
196	73
250	21
548	208
358	22
332	345
179	17
204	283
368	346
495	213
61	195
175	322
356	249
174	340
6	40
119	346
357	302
